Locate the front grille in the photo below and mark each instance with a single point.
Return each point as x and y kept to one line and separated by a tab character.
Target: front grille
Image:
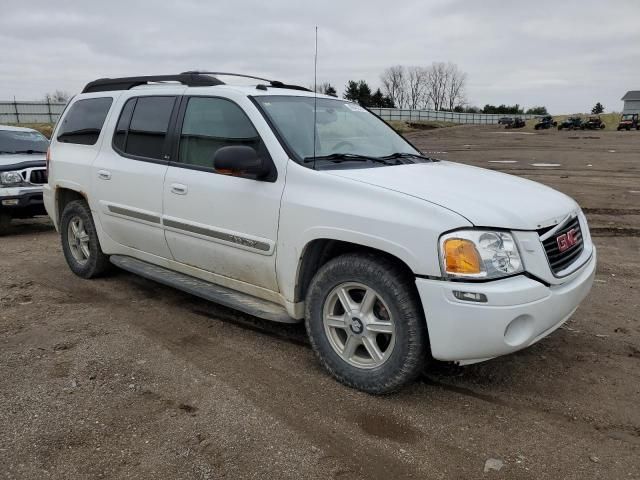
38	177
558	260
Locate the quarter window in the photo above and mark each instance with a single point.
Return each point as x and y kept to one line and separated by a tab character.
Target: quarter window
83	124
142	128
212	123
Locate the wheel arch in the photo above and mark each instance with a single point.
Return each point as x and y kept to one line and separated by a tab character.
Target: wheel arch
319	251
65	195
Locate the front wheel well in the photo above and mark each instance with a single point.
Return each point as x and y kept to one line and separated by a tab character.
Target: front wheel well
63	197
320	251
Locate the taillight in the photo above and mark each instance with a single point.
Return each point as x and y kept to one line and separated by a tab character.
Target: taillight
47	160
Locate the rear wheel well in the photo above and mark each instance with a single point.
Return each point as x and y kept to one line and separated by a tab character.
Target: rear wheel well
320	251
65	196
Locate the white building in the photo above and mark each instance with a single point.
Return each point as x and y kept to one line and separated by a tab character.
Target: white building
631	102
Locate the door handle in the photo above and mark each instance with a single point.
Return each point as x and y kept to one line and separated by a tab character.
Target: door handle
179	189
104	175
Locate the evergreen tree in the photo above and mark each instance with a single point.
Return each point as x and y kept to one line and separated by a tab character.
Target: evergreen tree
597	109
329	90
359	92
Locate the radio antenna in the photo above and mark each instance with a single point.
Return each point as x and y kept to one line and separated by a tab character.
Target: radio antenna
315	98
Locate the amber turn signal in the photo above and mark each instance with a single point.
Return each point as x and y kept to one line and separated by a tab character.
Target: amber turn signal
462	257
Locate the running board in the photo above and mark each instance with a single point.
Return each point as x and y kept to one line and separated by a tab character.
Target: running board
203	289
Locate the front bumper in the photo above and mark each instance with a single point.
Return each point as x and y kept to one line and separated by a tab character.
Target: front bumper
519	311
22	199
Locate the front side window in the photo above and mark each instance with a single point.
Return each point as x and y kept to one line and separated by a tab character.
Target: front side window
16	141
83	123
210	124
142	127
338	126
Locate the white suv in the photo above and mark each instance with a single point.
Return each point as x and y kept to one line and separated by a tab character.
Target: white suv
295	207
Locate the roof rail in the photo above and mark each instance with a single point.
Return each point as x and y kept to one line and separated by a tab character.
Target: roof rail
190	79
272	83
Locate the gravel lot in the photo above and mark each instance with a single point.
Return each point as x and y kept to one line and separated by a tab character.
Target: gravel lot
124	378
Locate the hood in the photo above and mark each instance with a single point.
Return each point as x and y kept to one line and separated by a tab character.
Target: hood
19	161
484	197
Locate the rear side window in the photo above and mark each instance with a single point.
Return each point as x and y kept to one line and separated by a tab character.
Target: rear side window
83	123
142	128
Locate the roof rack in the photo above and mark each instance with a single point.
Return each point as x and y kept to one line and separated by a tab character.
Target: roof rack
190	79
272	83
125	83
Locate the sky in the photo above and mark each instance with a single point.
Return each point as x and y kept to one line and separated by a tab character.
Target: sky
564	54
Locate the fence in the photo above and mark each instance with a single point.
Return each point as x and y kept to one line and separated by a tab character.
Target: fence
407	115
30	112
48	112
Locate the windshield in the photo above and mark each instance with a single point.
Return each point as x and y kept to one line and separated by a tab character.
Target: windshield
342	127
14	141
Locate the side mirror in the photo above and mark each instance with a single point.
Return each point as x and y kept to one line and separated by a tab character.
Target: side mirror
240	160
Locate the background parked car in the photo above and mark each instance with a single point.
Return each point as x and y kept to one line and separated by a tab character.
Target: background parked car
517	123
22	173
505	120
593	123
629	121
571	123
545	122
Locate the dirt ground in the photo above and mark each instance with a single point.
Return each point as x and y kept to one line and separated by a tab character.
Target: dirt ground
123	378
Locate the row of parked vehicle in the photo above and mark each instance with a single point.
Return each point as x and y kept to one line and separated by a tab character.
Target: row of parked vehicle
628	121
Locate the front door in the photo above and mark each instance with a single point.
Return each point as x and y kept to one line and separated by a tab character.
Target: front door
223	224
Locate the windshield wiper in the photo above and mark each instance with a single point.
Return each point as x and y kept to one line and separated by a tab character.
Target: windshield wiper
28	151
400	155
340	157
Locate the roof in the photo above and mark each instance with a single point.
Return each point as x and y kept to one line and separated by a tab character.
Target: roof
16	129
632	95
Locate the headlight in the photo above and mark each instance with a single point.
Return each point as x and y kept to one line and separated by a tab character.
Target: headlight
11	178
479	254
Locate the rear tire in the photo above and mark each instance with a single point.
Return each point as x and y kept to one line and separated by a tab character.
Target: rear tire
365	323
80	242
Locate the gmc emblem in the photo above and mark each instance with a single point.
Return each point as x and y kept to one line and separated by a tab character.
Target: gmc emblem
566	240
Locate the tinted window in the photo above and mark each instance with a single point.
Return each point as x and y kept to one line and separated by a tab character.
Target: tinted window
148	127
15	141
212	123
120	134
84	121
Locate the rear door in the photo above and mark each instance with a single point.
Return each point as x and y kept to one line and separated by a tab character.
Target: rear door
225	224
128	173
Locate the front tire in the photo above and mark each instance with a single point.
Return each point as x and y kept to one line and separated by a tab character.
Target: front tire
80	242
365	323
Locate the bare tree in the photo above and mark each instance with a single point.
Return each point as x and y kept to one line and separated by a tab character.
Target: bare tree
437	84
445	85
417	87
457	80
59	96
394	85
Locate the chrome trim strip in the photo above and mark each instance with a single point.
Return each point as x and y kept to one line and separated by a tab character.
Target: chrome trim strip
227	237
133	214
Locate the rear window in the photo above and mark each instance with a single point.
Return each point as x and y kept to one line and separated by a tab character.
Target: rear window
83	124
142	127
